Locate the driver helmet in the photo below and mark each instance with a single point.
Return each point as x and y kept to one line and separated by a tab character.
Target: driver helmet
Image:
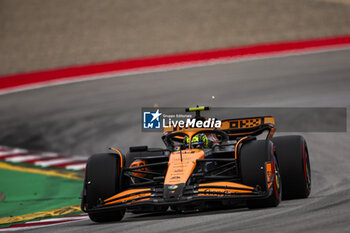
199	141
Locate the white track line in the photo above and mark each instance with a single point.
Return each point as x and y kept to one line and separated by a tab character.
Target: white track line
12	152
56	159
54	162
45	224
23	158
62	219
76	167
176	66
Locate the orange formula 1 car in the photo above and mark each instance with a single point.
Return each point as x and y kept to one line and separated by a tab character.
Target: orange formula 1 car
200	167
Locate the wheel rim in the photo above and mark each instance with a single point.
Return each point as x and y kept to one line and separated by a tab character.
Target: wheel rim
277	180
307	170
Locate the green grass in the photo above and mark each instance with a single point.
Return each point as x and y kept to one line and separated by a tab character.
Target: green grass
27	193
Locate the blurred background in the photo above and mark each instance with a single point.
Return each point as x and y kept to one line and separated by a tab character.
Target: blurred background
89	117
41	34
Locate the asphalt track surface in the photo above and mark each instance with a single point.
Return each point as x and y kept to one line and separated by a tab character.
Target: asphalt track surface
87	117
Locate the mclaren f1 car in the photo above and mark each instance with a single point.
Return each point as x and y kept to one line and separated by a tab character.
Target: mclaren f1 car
234	167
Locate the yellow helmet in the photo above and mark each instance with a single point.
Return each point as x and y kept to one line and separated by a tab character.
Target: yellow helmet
198	141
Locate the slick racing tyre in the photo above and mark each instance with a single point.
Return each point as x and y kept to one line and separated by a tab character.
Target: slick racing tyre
293	157
101	182
253	157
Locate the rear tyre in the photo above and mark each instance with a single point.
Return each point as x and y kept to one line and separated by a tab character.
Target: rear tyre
253	157
293	158
101	182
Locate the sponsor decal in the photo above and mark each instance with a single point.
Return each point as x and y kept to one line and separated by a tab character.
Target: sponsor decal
151	120
245	123
192	123
156	119
172	187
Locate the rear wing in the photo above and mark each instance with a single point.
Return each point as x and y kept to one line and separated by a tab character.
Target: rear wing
234	127
241	127
249	126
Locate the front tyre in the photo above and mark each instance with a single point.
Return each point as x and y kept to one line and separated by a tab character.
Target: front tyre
101	182
253	157
107	216
275	198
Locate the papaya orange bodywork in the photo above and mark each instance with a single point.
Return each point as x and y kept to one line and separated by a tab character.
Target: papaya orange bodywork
180	169
269	174
236	147
226	188
126	193
120	156
244	123
227	184
220	190
139	164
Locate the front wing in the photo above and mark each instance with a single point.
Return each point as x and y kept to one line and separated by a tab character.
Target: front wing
179	195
